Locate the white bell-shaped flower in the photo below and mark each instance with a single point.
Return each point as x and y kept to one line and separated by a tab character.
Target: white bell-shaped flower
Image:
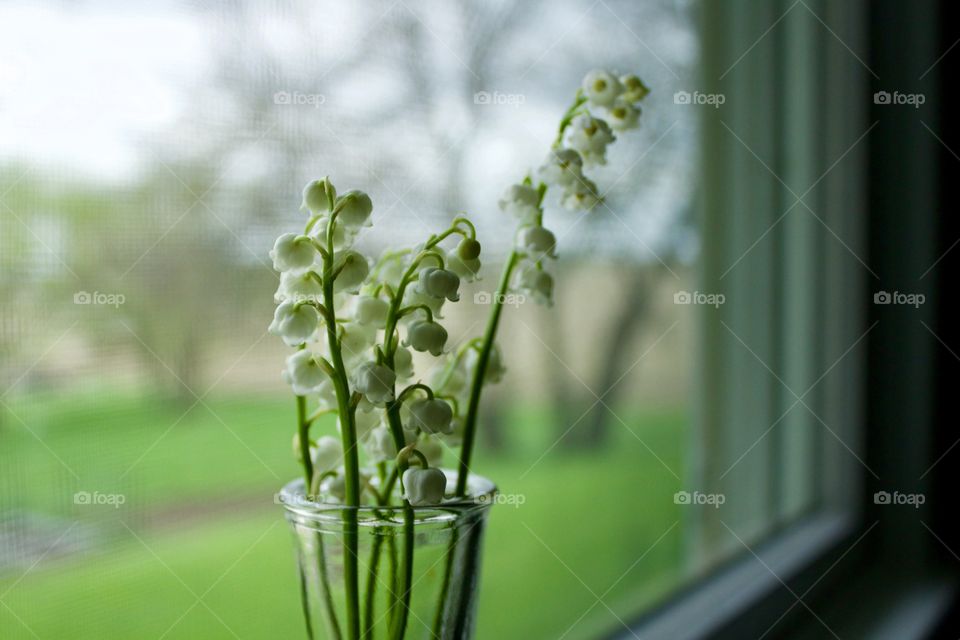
590	136
623	115
356	340
520	201
424	335
537	242
293	253
431	416
318	196
581	196
495	367
601	87
355	208
413	297
295	323
326	395
633	88
371	311
298	288
327	455
424	487
403	363
537	284
363	421
336	486
304	373
452	381
439	283
379	445
374	381
457	427
432	450
467	269
562	167
353	269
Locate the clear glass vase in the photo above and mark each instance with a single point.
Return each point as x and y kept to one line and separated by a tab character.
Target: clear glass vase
415	570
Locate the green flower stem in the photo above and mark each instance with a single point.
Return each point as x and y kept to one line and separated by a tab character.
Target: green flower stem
369	608
399	628
333	623
394	574
303	429
470	423
445	588
348	431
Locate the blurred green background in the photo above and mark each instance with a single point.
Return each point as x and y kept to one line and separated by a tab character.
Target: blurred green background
146	165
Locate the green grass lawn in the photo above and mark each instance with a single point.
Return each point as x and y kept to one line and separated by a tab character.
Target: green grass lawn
199	550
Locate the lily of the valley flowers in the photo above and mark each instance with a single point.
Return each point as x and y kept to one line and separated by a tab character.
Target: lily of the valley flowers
362	328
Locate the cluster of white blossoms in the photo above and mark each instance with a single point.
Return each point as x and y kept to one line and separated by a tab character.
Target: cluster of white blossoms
605	103
356	323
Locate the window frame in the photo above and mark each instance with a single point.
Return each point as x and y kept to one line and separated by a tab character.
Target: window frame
891	414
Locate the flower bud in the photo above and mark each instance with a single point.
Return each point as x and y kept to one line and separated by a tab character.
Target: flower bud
355	208
537	242
296	324
439	283
403	363
375	381
431	416
371	311
304	373
634	89
353	269
538	284
424	335
601	87
318	196
424	487
293	253
468	249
